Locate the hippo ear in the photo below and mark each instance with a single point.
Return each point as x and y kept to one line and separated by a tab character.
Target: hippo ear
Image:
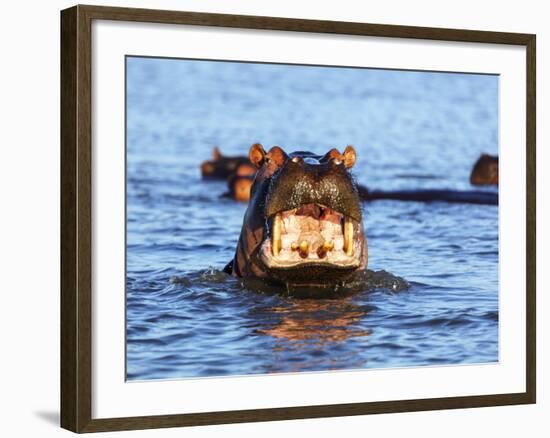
277	156
216	154
349	156
256	155
333	154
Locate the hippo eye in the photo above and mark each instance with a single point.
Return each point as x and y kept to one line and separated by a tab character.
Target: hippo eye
337	161
296	160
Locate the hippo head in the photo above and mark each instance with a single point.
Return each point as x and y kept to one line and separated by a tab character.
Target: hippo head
485	171
303	225
223	166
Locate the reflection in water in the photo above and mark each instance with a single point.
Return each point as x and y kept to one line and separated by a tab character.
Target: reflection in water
319	321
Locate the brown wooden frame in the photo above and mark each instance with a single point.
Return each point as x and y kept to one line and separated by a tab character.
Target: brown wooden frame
76	237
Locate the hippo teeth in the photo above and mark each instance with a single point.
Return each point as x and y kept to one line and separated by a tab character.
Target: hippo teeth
348	236
312	232
325	248
303	249
276	235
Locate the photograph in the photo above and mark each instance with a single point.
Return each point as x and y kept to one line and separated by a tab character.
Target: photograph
292	218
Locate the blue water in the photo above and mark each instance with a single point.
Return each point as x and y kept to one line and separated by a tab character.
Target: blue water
185	318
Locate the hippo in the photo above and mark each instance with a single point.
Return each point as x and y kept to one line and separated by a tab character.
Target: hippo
303	225
246	169
485	171
239	187
223	166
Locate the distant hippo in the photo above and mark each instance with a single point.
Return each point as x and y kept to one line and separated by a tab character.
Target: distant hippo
303	225
485	171
239	187
222	167
245	169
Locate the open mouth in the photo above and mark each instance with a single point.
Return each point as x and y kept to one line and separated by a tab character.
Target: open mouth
312	234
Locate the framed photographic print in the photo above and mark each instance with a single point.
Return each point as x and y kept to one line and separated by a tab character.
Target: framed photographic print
269	218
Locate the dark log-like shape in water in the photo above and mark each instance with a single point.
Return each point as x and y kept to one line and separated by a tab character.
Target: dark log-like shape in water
432	195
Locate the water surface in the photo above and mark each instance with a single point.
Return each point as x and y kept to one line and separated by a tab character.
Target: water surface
185	318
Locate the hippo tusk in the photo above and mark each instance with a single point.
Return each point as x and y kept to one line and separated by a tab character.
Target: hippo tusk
276	244
348	237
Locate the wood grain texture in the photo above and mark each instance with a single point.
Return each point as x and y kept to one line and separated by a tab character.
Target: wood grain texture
303	412
76	186
300	25
69	329
76	220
